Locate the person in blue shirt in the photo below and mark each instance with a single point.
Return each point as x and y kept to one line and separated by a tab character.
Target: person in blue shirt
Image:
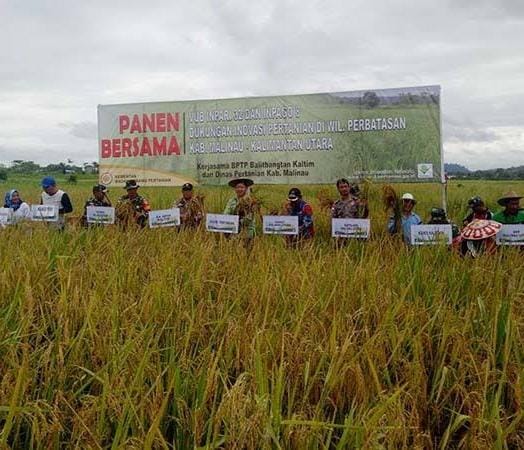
406	220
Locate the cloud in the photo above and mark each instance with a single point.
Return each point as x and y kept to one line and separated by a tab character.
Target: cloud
65	58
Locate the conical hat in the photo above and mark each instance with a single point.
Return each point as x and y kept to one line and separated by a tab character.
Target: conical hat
480	229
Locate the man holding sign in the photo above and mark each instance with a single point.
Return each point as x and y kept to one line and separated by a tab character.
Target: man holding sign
350	205
191	208
52	196
99	198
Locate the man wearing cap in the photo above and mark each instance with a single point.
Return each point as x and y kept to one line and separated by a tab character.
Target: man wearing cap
478	211
132	208
296	206
407	218
512	213
191	208
99	198
350	205
51	195
243	205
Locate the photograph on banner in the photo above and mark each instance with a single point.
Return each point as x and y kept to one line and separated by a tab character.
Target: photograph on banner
389	135
6	215
100	215
222	223
164	218
287	225
431	234
44	213
511	235
350	228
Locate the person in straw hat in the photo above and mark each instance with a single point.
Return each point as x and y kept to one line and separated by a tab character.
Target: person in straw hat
479	237
132	208
512	213
407	218
244	205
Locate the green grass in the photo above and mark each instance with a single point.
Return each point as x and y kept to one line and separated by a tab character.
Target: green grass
159	339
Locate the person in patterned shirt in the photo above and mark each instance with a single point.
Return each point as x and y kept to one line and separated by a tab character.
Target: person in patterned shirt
132	208
191	208
350	205
99	198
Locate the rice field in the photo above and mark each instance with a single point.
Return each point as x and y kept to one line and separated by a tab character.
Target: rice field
168	340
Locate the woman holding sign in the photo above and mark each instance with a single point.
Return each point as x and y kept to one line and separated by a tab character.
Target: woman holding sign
20	208
244	206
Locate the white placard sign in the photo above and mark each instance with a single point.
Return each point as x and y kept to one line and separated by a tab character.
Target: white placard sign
350	228
44	213
431	234
511	235
164	218
222	223
100	215
280	225
6	215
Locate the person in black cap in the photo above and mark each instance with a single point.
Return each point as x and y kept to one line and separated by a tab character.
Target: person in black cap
296	206
478	211
191	208
132	208
99	198
243	205
438	216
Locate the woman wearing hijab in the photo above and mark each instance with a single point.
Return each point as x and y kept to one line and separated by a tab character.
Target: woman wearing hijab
296	206
20	208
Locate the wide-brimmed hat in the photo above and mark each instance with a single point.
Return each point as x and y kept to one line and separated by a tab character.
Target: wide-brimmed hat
510	195
131	184
245	181
100	188
480	229
294	194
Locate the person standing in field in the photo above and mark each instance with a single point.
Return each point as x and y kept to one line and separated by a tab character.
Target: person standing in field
99	198
51	195
296	206
21	209
191	208
407	218
245	206
478	211
132	208
512	213
350	205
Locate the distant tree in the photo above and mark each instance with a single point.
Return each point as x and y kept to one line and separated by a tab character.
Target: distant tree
3	174
24	167
72	179
370	99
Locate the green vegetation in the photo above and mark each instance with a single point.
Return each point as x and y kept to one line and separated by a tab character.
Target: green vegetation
159	339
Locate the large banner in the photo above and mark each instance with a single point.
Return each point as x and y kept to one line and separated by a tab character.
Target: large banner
389	134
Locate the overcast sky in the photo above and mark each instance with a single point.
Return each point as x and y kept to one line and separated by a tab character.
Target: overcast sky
60	59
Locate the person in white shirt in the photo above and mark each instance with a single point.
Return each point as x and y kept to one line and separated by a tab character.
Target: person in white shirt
57	197
20	209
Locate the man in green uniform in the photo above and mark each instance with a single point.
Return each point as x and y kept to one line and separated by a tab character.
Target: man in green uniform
132	208
191	208
512	213
99	198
